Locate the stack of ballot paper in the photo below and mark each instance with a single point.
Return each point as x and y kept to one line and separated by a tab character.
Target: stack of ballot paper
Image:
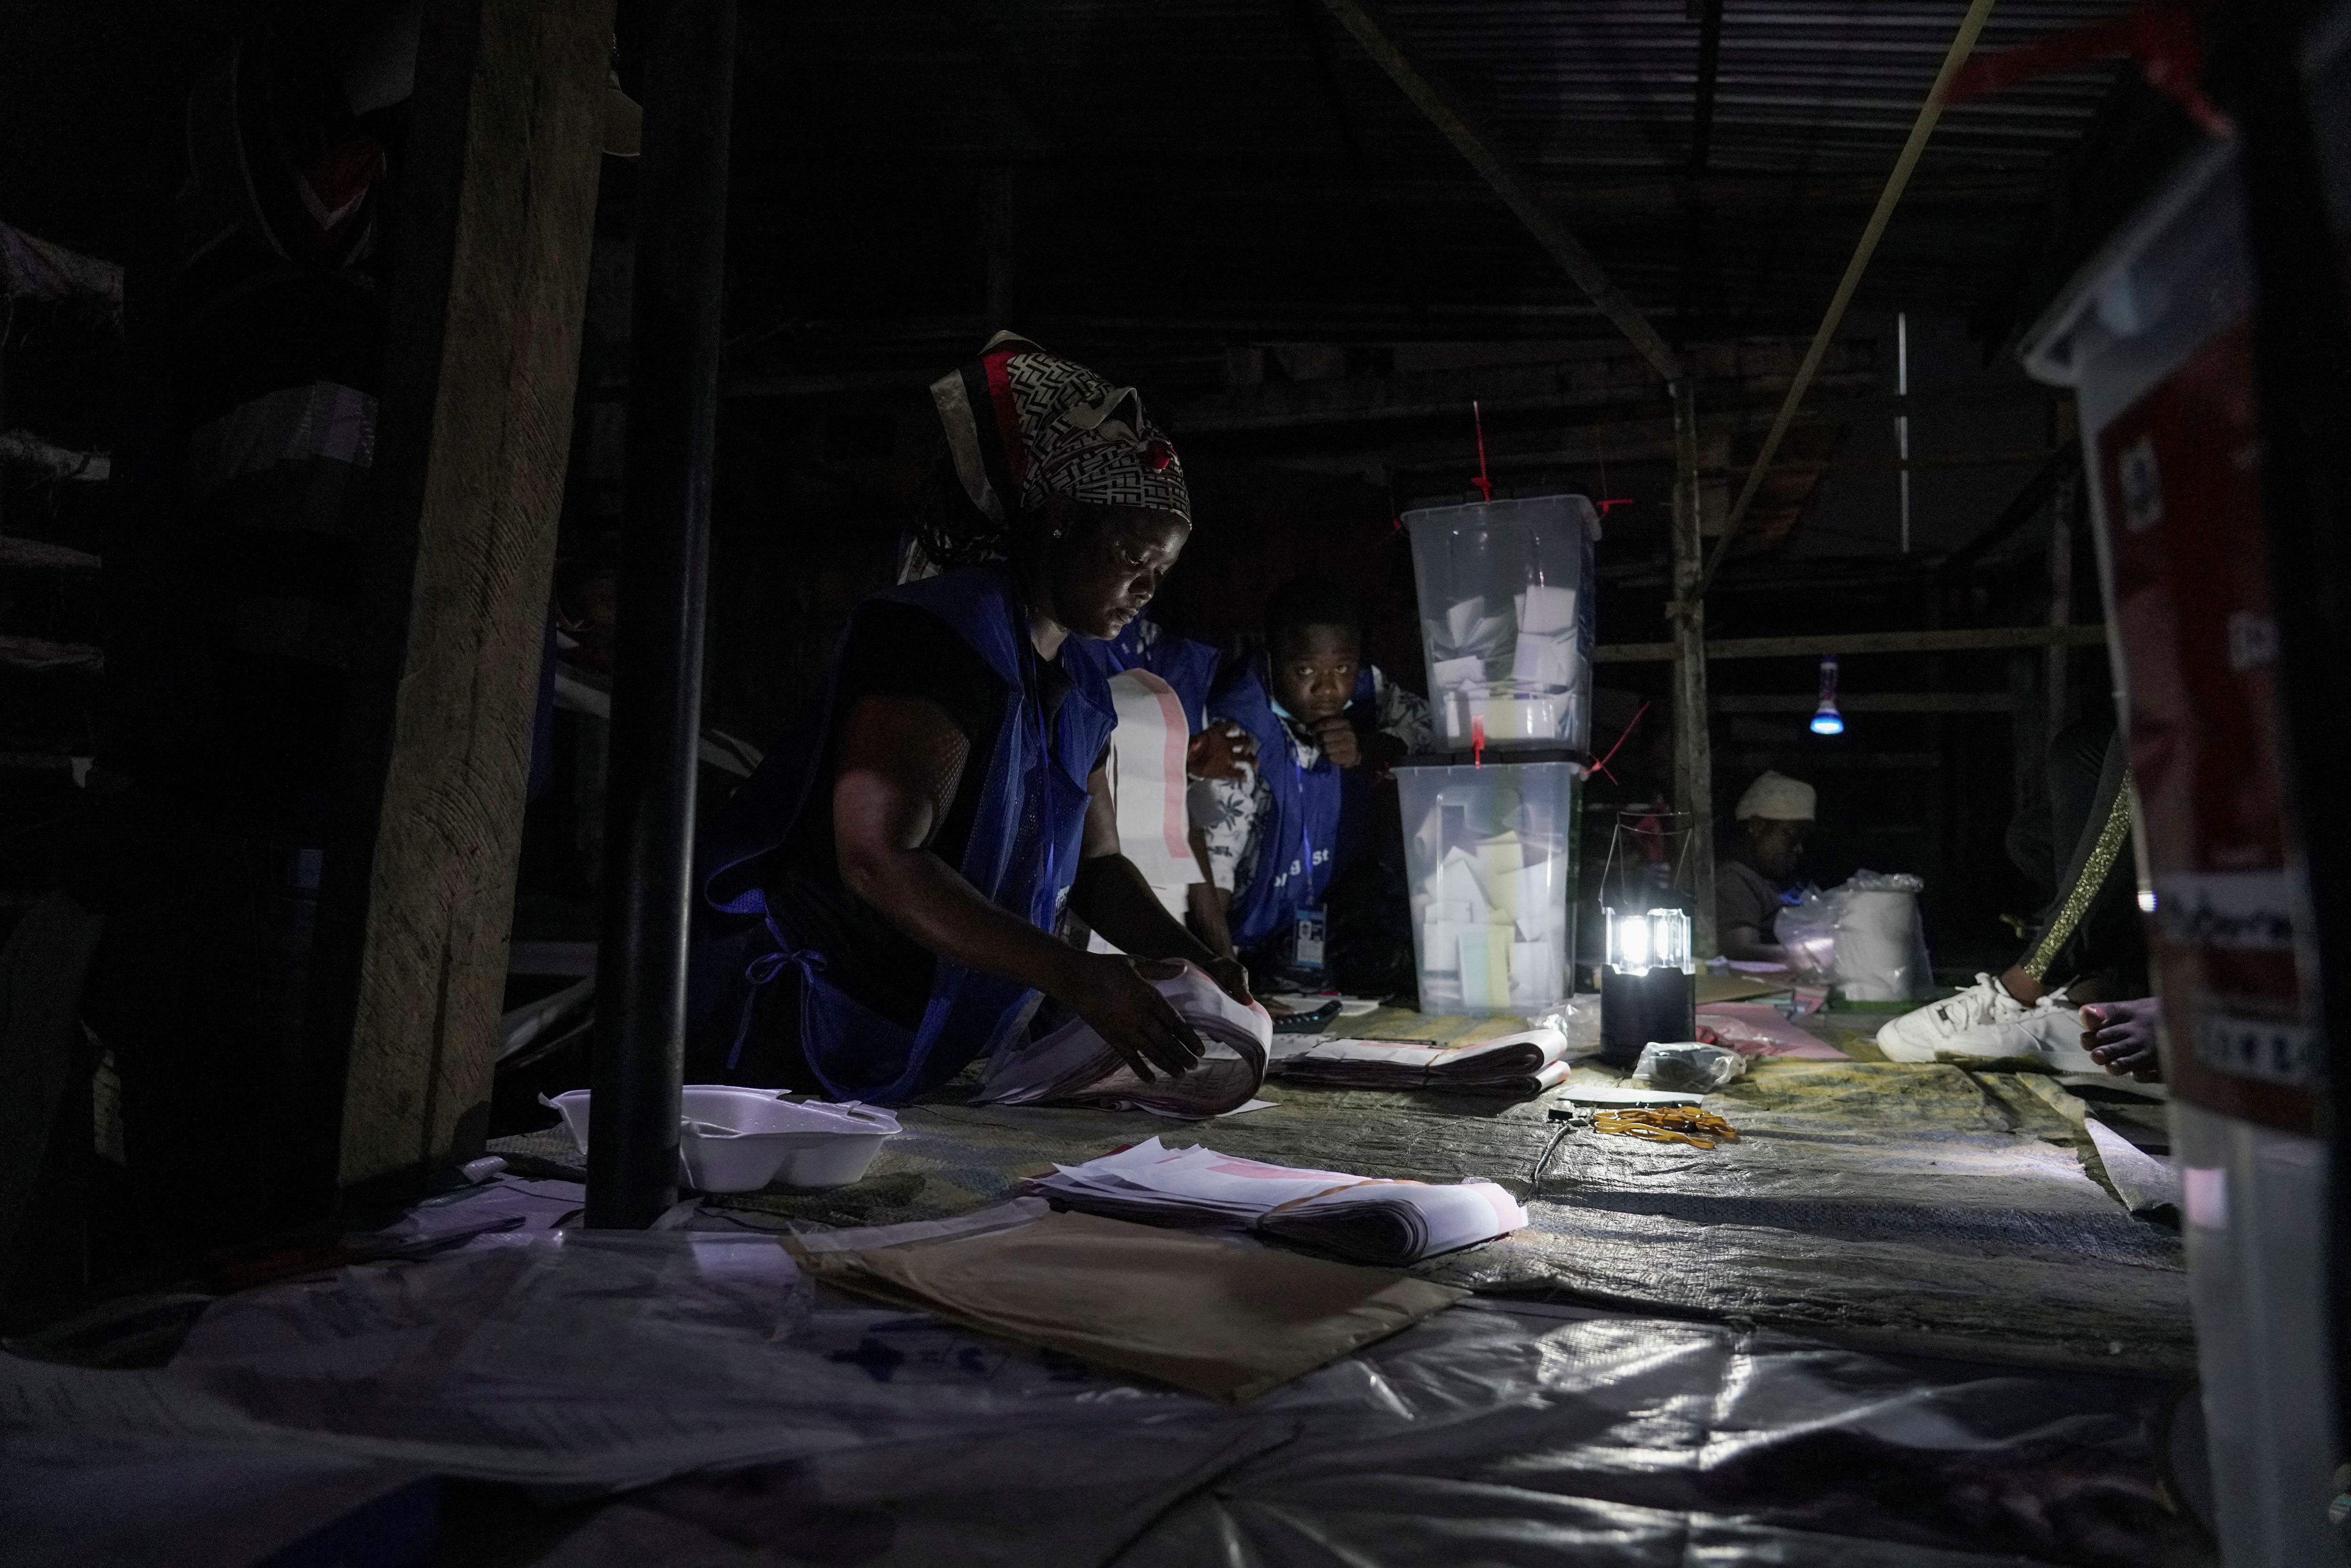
1360	1218
1495	921
1521	1065
1148	783
1546	654
1468	645
1504	713
1509	676
1073	1065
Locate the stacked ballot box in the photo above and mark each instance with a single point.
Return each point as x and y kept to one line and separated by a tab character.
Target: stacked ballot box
1506	622
1491	852
1491	824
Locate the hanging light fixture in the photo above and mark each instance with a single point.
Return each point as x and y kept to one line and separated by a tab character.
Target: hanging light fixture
1826	720
1648	986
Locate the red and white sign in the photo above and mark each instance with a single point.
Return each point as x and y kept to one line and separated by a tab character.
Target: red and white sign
2179	472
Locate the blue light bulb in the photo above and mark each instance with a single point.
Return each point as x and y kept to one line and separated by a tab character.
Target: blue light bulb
1826	720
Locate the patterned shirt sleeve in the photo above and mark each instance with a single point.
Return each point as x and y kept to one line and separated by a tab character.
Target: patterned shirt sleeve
1403	714
1227	811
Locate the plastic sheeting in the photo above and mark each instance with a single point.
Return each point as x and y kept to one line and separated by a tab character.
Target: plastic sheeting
832	1432
1493	1436
1880	1198
1863	1197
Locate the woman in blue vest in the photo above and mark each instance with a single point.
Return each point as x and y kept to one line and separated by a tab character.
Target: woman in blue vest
881	898
1323	722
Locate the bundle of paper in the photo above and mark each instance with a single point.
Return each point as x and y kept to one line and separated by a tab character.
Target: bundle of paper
1146	779
1073	1065
1518	1064
1361	1217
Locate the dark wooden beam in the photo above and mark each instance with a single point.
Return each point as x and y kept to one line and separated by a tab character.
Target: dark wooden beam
1962	640
1742	369
1443	111
1686	613
1709	73
1867	702
1695	257
1930	110
482	356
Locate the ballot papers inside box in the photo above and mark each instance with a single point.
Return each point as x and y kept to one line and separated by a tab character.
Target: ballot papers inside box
1507	625
1490	853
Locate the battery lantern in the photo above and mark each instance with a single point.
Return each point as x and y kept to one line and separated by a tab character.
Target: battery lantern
1648	986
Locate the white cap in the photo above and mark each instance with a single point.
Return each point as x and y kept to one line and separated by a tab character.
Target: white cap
1776	798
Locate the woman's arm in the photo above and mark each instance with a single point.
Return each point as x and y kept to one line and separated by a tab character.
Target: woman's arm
901	759
1749	945
1110	896
1207	901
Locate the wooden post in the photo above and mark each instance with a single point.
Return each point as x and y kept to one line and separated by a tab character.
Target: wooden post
482	357
1693	746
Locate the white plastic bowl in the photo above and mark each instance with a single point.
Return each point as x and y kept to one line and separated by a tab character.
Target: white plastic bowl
740	1140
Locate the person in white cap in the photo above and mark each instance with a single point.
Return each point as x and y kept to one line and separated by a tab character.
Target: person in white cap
1774	816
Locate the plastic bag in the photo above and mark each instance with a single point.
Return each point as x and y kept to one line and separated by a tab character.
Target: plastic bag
1807	929
1687	1065
1578	1018
1864	935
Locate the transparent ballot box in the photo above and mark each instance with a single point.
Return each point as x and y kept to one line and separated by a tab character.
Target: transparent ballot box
1506	621
1490	853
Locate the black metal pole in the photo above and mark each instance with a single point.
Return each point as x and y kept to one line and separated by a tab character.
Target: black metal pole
2302	367
657	655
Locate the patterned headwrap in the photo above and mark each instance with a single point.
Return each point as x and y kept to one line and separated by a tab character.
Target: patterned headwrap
1023	423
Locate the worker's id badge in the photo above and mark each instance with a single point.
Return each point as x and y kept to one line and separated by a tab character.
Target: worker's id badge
1308	954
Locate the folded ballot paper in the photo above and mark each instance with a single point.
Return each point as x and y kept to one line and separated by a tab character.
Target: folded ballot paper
1519	1065
1509	675
1363	1219
1467	645
1074	1066
1547	653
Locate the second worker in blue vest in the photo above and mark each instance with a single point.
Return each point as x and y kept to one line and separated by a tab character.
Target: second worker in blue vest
1324	722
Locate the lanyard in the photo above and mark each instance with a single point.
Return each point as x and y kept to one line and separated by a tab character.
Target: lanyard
1305	816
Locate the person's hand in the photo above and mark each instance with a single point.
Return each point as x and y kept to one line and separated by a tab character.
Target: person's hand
2120	1036
1233	975
1114	994
1223	750
1338	739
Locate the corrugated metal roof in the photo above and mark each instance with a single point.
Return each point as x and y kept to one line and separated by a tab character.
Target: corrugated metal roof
1246	163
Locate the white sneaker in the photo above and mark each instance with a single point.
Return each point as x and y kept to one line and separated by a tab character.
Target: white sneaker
1917	1035
2049	1032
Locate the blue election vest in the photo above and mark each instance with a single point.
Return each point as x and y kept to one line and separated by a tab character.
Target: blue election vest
1026	837
1314	806
1187	667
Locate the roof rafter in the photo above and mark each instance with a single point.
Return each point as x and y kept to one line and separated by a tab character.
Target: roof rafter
1445	112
